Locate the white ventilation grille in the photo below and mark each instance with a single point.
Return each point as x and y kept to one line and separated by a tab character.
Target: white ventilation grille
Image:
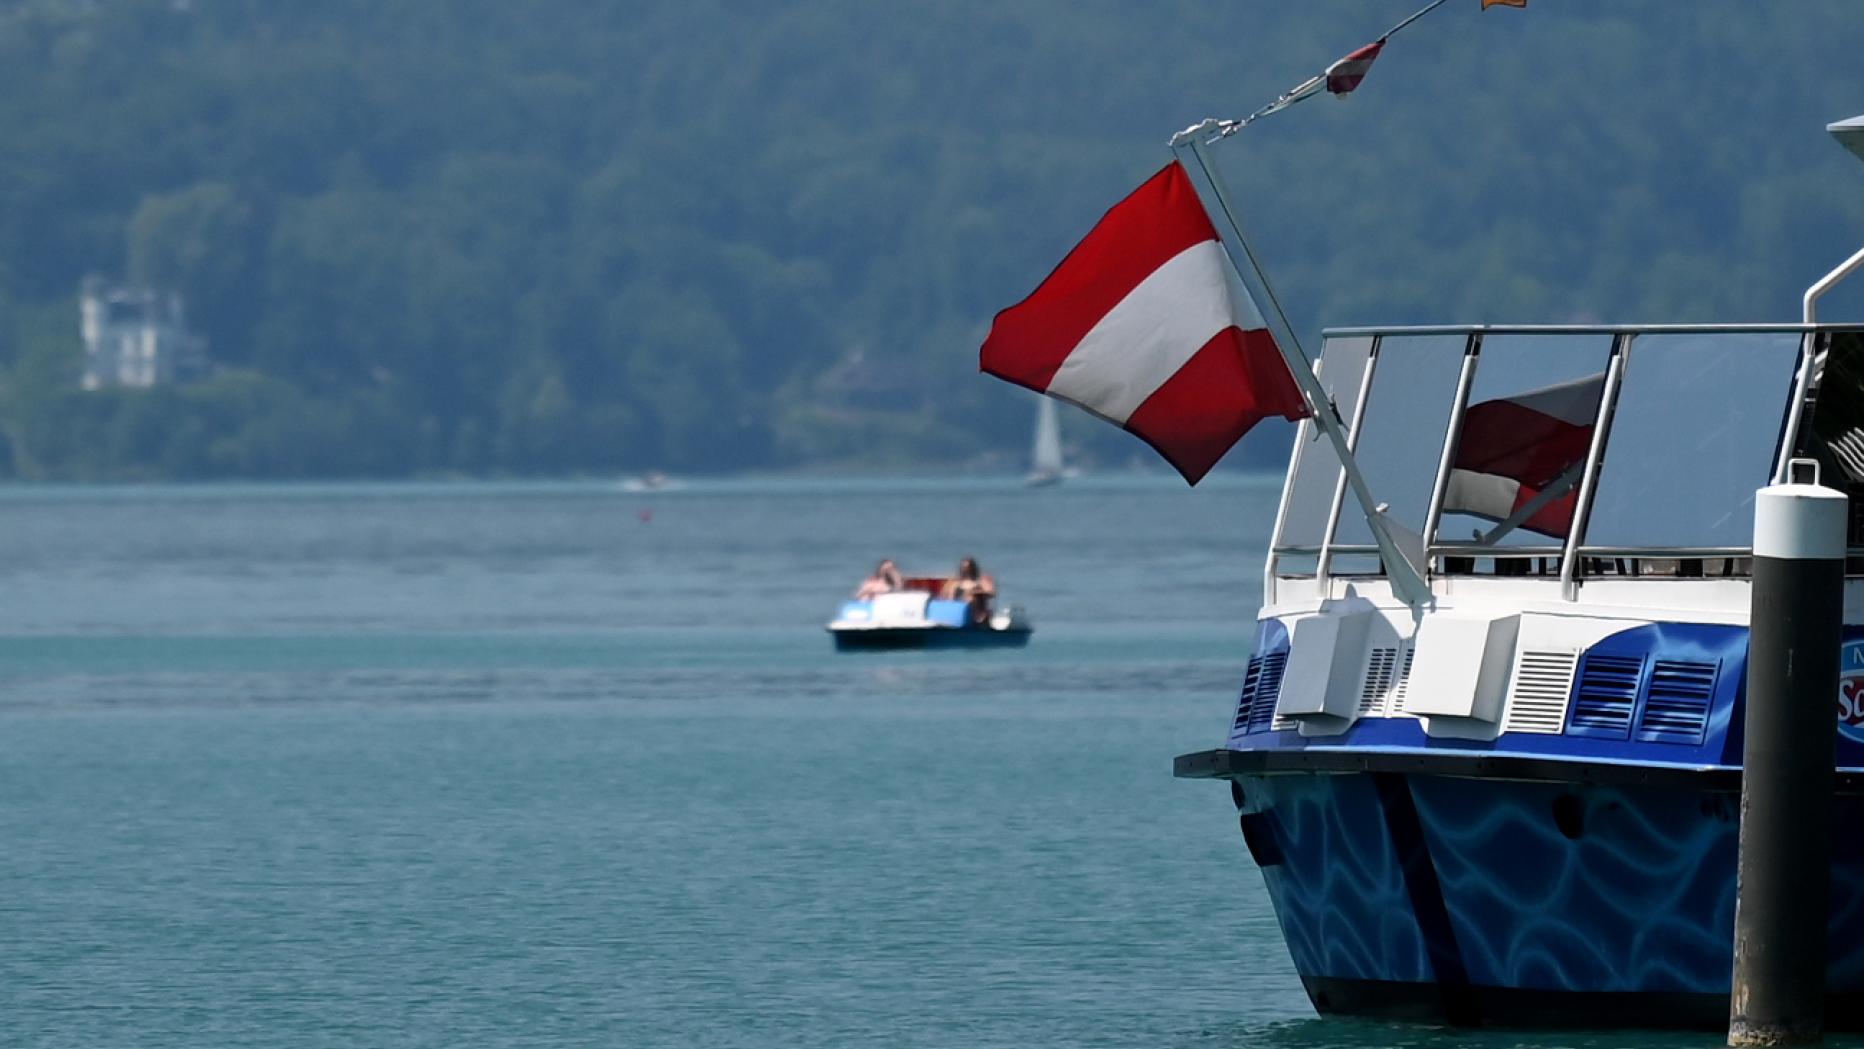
1378	683
1401	691
1542	682
1282	722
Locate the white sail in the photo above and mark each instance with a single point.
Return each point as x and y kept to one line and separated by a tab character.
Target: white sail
1045	459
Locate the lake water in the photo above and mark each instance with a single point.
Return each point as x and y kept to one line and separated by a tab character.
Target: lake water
560	765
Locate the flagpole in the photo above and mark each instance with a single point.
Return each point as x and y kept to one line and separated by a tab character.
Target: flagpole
1427	9
1559	487
1311	86
1404	573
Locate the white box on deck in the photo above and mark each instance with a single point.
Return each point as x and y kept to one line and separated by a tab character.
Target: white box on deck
1461	666
1326	656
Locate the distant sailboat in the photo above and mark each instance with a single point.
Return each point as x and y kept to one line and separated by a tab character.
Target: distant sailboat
1045	465
651	481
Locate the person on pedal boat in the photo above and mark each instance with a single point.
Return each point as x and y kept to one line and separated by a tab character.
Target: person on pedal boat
885	580
973	587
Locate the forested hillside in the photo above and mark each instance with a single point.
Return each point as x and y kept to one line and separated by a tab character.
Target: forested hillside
467	236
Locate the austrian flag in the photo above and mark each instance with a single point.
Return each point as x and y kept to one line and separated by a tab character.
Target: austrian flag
1138	326
1345	75
1519	456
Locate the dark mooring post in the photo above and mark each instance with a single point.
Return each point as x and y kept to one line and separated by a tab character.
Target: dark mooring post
1781	901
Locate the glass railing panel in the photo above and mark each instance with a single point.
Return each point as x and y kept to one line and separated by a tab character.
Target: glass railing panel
1406	416
1316	468
1532	408
1695	432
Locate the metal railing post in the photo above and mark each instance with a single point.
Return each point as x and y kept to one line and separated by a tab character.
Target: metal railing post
1472	349
1588	484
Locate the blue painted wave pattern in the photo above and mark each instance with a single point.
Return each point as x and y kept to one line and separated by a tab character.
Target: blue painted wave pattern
1339	896
1547	886
1639	898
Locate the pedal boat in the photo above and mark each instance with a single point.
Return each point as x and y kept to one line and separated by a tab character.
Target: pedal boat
915	617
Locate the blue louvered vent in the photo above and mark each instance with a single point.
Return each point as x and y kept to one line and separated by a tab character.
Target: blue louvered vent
1605	696
1677	708
1268	691
1251	680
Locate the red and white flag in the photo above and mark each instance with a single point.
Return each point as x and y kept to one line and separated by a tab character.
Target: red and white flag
1515	448
1138	326
1343	76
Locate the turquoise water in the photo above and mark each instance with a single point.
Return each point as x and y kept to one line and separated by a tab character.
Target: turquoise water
560	765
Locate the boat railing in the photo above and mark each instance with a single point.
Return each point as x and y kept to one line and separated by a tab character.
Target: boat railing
1701	563
1569	452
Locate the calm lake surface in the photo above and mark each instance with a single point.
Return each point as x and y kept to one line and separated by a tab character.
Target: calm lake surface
562	765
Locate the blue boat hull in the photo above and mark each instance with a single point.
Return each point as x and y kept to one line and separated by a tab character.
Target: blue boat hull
1475	901
930	637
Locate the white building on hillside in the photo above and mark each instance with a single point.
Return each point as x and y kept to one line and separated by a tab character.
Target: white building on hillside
136	337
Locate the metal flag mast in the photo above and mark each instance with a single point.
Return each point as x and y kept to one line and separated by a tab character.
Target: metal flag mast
1403	567
1401	550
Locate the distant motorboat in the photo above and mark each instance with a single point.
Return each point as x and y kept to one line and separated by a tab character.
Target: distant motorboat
1045	462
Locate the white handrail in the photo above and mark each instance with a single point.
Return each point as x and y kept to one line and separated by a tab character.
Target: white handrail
1802	385
1809	304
